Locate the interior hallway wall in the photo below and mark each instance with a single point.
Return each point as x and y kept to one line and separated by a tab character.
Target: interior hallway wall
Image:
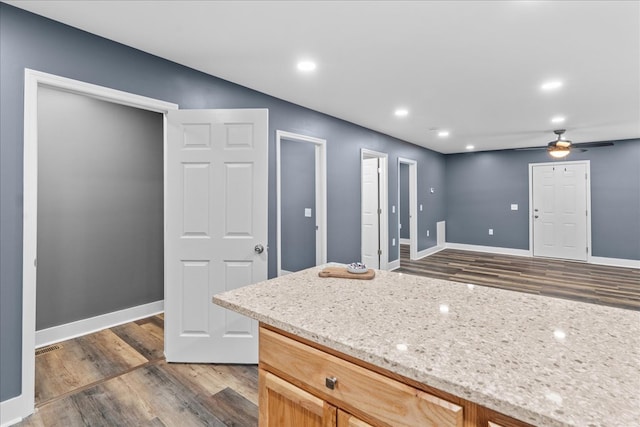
100	207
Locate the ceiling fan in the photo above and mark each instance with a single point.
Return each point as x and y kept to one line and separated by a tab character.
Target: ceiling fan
561	147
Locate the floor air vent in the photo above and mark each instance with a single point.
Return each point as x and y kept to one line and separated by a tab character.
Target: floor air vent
47	349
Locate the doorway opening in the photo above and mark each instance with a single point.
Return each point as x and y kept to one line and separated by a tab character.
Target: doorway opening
560	214
374	215
408	208
33	81
301	210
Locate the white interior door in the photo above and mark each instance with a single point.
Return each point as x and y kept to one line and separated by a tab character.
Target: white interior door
370	213
560	211
216	216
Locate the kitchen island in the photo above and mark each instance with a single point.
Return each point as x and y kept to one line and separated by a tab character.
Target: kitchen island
486	356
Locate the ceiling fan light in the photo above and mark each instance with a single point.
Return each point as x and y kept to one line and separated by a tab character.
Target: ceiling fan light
558	152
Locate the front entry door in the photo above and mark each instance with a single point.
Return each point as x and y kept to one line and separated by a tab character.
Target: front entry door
216	230
560	211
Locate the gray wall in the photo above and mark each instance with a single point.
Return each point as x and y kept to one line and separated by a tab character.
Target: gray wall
482	186
298	174
30	41
404	202
100	215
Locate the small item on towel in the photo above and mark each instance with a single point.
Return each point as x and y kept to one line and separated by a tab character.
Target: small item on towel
343	273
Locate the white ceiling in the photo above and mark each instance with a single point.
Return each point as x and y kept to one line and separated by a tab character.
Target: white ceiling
472	68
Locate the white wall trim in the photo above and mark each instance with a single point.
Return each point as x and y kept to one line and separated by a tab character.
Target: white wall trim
32	80
11	411
488	249
615	262
430	251
82	327
393	265
405	241
284	272
321	195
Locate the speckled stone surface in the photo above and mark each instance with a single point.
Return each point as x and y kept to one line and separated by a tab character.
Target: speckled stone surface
546	361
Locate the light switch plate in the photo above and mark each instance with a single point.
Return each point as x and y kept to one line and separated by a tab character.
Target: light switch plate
307	212
420	207
514	206
491	232
393	209
393	241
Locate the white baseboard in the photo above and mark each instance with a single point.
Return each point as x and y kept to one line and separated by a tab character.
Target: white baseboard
93	324
393	265
285	272
429	251
615	262
405	241
11	411
488	249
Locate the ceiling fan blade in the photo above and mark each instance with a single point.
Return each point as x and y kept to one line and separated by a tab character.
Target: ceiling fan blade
530	148
593	144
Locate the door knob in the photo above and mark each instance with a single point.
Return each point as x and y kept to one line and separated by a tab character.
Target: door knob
258	248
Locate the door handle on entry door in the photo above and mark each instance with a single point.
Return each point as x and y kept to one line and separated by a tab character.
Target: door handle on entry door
258	248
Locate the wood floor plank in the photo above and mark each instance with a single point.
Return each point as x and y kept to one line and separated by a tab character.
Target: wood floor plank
596	284
233	409
129	393
83	361
143	338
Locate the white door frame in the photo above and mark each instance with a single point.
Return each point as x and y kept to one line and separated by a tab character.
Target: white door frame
384	203
413	205
32	80
321	194
587	164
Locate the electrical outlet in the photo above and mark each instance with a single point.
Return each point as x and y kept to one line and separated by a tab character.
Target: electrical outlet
420	207
491	232
393	209
427	233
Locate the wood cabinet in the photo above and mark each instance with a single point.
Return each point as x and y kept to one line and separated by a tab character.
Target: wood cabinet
303	384
297	380
283	404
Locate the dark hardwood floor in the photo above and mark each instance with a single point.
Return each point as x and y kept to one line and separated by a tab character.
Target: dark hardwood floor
118	377
598	284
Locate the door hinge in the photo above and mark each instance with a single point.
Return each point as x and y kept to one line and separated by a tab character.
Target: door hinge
379	251
379	170
585	176
586	212
587	249
379	211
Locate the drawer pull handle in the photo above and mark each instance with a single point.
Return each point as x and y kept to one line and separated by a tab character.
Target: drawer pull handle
330	382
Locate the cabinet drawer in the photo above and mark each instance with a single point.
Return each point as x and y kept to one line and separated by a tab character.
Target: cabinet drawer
356	388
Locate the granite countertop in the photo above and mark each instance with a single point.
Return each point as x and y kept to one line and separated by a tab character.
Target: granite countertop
546	361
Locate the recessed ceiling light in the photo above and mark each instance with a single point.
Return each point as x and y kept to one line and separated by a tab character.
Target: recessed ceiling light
443	133
401	112
557	119
551	85
306	66
469	147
